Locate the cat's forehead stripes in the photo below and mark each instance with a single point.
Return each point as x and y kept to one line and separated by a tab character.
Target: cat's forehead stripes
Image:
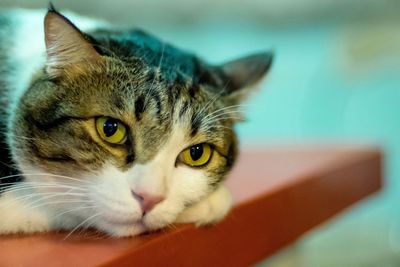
171	63
139	107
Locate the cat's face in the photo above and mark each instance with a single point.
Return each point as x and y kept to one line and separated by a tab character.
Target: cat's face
126	144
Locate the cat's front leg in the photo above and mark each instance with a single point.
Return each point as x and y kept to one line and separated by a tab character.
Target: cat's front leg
17	216
209	210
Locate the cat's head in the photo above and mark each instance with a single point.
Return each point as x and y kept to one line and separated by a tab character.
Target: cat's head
126	129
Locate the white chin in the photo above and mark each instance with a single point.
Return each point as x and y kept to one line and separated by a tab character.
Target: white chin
121	229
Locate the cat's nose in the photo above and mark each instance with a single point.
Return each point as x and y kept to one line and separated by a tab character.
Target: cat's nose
147	201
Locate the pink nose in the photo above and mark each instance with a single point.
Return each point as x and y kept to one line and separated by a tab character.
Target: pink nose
146	200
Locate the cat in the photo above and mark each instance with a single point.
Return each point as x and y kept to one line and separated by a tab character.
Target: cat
113	130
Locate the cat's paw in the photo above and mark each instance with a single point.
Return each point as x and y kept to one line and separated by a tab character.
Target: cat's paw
17	217
209	210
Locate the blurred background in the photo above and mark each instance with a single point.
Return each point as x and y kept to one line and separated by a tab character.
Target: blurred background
336	79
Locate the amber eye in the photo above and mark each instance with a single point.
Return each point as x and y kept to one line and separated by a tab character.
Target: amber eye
111	130
197	155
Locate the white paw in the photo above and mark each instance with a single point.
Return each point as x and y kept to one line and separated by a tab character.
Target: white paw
18	217
209	210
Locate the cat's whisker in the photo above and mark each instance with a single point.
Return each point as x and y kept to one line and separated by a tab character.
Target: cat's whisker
72	210
56	195
45	203
213	127
222	118
17	189
60	202
81	224
208	104
58	176
52	182
235	107
63	177
31	189
10	176
11	166
226	111
213	99
24	137
35	194
32	185
27	182
41	197
87	226
45	174
172	226
26	186
93	235
223	114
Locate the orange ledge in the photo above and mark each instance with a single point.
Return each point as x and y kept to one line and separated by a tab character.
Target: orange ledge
279	194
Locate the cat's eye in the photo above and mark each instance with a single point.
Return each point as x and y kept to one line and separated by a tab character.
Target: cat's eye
197	155
111	130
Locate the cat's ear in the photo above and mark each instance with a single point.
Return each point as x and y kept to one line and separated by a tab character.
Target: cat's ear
68	49
243	74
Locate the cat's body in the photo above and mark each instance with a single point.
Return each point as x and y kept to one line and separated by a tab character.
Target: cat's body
114	130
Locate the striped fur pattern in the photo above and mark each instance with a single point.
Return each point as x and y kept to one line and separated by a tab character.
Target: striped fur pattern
167	98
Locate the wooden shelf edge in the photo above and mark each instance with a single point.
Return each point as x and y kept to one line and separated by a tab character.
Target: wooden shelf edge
265	223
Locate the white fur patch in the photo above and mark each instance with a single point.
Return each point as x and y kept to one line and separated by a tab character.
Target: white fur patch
17	216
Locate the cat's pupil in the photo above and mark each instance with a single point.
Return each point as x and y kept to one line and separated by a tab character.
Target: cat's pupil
196	152
110	127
